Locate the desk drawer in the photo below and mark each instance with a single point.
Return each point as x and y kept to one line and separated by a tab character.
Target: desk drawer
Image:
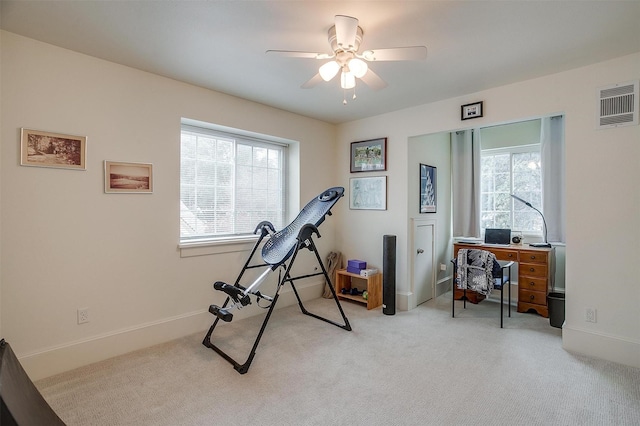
531	256
532	297
532	284
533	270
505	254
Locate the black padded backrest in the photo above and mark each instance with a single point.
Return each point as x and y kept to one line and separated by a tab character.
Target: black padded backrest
282	244
22	403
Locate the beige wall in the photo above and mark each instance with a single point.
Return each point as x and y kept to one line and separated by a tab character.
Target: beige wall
433	150
1	330
67	245
603	201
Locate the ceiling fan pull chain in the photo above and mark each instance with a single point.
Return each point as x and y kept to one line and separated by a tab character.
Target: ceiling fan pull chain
344	96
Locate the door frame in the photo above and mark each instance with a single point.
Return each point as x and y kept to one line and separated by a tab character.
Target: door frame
415	223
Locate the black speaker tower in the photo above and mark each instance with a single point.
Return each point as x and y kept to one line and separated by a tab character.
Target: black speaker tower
389	274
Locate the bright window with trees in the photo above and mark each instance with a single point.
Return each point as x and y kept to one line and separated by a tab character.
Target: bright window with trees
506	171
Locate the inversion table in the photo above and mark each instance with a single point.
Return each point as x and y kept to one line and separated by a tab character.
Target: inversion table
279	251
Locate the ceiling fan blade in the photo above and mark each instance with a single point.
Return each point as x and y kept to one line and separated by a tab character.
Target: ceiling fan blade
373	80
296	54
412	53
312	82
346	29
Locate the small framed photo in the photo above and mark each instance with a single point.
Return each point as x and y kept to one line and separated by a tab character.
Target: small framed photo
368	193
369	156
46	149
428	189
128	177
473	110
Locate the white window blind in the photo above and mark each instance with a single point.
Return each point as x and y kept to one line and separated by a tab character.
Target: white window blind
228	184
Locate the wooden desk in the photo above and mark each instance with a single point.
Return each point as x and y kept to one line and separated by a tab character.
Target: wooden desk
536	272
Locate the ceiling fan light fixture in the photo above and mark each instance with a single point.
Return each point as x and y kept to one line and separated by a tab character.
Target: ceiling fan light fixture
358	67
368	55
347	80
345	38
329	70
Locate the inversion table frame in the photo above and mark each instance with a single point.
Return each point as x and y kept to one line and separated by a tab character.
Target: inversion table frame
281	247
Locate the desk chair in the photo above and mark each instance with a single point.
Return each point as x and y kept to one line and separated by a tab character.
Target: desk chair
278	253
479	271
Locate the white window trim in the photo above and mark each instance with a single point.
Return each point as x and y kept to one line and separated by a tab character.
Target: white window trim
195	246
509	150
204	247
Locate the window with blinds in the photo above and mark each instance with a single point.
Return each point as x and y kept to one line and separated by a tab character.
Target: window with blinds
228	184
506	171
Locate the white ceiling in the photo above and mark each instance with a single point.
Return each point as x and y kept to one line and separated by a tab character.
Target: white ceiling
472	45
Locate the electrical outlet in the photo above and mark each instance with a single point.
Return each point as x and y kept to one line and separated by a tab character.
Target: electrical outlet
590	314
443	267
83	315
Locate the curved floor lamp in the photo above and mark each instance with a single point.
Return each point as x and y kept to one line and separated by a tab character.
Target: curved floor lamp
528	204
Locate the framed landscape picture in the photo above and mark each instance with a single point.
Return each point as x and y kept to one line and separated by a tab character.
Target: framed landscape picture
46	149
122	177
428	189
369	156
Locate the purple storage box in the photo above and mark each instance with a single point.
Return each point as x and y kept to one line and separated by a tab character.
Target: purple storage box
356	264
353	270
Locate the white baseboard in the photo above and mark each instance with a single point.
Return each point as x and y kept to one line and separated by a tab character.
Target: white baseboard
59	359
443	286
610	348
403	300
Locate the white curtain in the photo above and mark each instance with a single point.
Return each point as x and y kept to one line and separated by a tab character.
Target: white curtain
553	182
465	180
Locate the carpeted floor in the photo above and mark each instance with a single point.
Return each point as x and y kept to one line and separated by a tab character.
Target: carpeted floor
416	367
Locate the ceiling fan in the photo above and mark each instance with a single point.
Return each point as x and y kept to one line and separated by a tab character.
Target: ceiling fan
345	38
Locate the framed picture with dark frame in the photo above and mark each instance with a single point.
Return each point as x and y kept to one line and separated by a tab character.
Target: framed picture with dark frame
428	189
46	149
122	177
369	156
474	110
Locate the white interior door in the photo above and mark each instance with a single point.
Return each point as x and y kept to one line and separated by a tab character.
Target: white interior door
423	260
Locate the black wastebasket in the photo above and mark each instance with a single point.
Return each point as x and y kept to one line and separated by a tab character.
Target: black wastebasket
555	302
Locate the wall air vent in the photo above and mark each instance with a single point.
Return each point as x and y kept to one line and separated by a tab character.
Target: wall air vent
618	105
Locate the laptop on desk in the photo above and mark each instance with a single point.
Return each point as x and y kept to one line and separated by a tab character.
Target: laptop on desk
497	236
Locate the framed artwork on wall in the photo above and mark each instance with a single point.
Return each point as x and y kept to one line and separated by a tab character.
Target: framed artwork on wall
428	189
474	110
122	177
46	149
369	156
368	193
